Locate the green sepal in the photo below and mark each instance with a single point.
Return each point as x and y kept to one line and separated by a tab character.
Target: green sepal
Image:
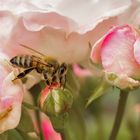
99	91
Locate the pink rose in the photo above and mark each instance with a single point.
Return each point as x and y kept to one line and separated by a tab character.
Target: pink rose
118	53
11	95
58	28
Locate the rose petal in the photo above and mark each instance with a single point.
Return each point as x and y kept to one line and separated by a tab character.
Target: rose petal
11	98
58	36
93	9
11	95
12	89
131	15
49	132
116	53
12	119
80	71
7	21
35	21
17	6
88	21
137	50
49	41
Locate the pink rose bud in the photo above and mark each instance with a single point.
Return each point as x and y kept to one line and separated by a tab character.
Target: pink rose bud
119	52
55	101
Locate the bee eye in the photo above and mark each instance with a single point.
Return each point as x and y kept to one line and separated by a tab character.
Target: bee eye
61	70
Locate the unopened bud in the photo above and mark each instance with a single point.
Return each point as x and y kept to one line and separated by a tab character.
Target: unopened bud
56	101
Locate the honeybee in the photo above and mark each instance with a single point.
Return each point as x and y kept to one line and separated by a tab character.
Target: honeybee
52	71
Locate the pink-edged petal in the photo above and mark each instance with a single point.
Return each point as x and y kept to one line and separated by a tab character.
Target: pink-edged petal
7	21
10	117
10	88
48	131
93	9
81	72
49	41
11	95
11	99
117	52
131	15
96	51
35	21
87	21
137	50
17	6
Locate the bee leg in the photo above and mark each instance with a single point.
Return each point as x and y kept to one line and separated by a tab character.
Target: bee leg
47	78
22	74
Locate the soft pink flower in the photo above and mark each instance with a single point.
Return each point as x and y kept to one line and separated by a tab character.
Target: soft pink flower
48	131
11	95
117	53
58	29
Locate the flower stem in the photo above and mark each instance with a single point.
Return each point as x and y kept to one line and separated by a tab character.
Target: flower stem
36	89
119	114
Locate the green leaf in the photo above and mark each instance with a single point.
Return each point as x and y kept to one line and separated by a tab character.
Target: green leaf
99	91
25	124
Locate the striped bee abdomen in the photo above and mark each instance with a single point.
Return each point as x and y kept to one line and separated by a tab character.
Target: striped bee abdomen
23	61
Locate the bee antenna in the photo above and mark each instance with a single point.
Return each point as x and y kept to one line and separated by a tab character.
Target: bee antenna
31	49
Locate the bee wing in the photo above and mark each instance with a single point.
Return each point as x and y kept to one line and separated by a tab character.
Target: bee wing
41	61
39	53
42	58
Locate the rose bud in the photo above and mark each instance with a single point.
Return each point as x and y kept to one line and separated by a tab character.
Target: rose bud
118	54
55	101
